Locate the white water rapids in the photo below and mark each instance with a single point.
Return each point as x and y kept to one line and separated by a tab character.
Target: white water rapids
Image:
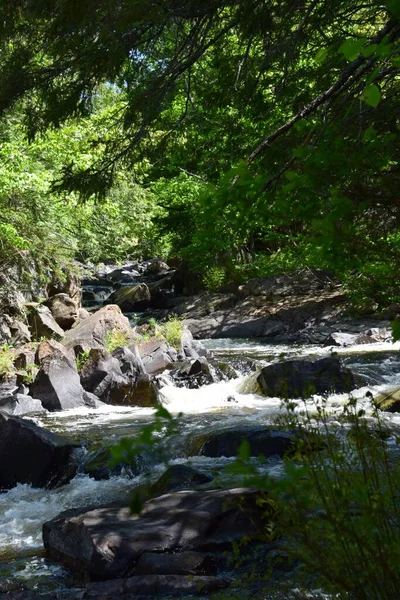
23	509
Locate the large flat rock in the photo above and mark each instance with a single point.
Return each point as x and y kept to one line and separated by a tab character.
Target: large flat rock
106	543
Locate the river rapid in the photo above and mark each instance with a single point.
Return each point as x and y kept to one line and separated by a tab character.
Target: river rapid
213	407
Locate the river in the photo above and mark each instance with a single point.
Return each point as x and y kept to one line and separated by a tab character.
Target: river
213	407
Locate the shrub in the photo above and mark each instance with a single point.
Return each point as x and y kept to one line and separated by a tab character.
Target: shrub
337	504
171	331
115	339
7	356
213	278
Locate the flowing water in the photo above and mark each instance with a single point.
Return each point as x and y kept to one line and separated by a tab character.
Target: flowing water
218	406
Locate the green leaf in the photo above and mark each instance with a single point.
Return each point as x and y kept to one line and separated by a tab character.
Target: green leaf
321	55
352	48
372	95
244	450
395	330
396	61
369	50
393	7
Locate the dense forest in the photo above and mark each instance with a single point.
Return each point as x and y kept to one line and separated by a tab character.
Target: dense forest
244	137
199	299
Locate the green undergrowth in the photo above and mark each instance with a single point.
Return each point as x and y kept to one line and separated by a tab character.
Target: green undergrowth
7	357
337	505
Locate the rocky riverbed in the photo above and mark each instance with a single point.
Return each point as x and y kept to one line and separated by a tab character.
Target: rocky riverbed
98	380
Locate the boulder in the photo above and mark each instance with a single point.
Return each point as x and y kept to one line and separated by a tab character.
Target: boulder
69	285
371	336
64	310
150	586
156	266
20	404
178	477
102	375
33	455
83	314
94	331
156	355
144	392
105	543
43	324
20	333
262	441
130	361
302	379
131	297
57	383
194	374
187	346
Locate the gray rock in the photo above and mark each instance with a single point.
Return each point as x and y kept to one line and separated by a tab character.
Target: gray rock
130	361
63	309
131	297
94	331
301	379
20	404
57	383
102	375
104	543
156	355
194	374
43	324
31	454
91	400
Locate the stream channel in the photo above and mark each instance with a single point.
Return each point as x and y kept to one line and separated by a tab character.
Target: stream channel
214	407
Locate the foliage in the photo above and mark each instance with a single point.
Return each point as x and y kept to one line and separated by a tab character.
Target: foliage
115	339
83	356
7	356
248	136
337	506
213	278
171	331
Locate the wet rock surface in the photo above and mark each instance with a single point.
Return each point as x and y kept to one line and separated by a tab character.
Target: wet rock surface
262	441
302	379
104	543
34	455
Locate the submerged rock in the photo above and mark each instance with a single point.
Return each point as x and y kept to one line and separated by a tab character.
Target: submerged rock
33	455
105	543
302	378
262	441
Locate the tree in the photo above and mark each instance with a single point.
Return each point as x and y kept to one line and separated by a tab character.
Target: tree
286	111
